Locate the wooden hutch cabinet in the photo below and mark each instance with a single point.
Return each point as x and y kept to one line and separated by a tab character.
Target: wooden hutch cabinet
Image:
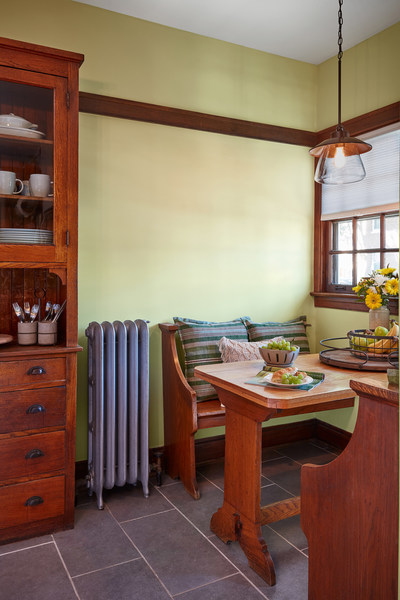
38	264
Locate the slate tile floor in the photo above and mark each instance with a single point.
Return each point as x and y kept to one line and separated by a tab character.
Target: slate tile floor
162	547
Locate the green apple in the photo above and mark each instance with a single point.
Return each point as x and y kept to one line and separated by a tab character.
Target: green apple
359	343
381	330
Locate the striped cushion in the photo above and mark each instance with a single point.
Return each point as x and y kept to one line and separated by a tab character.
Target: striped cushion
200	346
291	330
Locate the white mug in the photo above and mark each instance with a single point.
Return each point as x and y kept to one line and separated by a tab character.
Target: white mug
8	181
39	184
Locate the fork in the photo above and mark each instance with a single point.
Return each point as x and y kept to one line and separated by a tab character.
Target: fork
18	312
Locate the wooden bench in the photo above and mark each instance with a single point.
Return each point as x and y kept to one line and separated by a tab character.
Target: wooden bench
183	415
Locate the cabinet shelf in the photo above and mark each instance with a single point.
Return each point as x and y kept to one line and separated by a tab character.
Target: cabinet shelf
29	264
14	349
17	197
16	146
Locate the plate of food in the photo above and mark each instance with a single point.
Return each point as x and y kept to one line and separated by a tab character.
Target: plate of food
288	378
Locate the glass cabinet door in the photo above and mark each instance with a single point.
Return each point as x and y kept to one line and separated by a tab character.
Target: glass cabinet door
33	138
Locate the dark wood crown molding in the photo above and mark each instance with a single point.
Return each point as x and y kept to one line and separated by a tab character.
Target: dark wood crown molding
122	108
381	117
176	117
10	45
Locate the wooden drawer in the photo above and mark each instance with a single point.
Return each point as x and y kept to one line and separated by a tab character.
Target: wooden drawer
32	409
32	501
31	371
32	454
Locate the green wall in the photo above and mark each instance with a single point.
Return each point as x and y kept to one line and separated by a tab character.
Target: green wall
370	78
180	222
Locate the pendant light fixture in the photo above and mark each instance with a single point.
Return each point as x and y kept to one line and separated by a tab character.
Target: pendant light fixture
339	156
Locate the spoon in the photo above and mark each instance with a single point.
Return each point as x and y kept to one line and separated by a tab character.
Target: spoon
27	310
49	306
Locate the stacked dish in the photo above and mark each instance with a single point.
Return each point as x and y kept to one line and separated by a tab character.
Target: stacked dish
25	236
21	132
18	126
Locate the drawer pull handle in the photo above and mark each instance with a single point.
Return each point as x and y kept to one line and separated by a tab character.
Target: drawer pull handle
34	501
34	453
36	371
35	408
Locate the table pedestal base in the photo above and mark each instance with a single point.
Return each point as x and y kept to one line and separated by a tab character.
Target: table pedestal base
240	516
229	527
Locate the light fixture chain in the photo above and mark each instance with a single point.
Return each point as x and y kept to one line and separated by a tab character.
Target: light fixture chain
340	37
340	54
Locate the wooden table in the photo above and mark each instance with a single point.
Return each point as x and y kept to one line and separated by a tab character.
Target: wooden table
247	406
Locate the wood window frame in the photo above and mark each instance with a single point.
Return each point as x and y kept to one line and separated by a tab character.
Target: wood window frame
381	249
323	297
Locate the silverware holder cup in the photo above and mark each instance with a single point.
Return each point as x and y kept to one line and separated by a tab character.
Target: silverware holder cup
27	333
47	333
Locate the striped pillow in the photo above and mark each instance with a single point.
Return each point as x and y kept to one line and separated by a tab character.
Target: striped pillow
291	330
200	347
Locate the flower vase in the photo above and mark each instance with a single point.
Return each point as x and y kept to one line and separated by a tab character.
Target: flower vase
379	317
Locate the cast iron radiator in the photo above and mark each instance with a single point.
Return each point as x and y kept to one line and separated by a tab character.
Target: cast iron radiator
118	377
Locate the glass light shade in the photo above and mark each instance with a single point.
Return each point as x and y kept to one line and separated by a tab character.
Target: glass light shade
339	158
336	169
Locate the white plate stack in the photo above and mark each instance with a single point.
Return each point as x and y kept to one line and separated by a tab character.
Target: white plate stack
21	132
14	125
25	236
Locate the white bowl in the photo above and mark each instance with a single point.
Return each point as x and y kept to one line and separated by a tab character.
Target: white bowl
279	358
12	120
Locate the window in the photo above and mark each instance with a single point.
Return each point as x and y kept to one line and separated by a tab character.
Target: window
357	225
359	246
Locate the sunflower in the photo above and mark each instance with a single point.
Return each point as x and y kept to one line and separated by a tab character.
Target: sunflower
392	286
387	271
373	300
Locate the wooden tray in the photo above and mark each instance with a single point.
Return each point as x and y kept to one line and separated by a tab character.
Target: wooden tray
346	360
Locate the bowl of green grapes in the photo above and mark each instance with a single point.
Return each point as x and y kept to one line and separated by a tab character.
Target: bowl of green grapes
279	354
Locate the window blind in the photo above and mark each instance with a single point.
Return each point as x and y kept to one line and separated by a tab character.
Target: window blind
377	192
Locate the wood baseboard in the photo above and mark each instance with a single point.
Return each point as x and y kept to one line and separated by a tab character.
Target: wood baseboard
290	432
212	448
332	435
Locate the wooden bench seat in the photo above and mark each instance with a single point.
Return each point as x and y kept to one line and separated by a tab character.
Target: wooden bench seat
210	414
183	415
